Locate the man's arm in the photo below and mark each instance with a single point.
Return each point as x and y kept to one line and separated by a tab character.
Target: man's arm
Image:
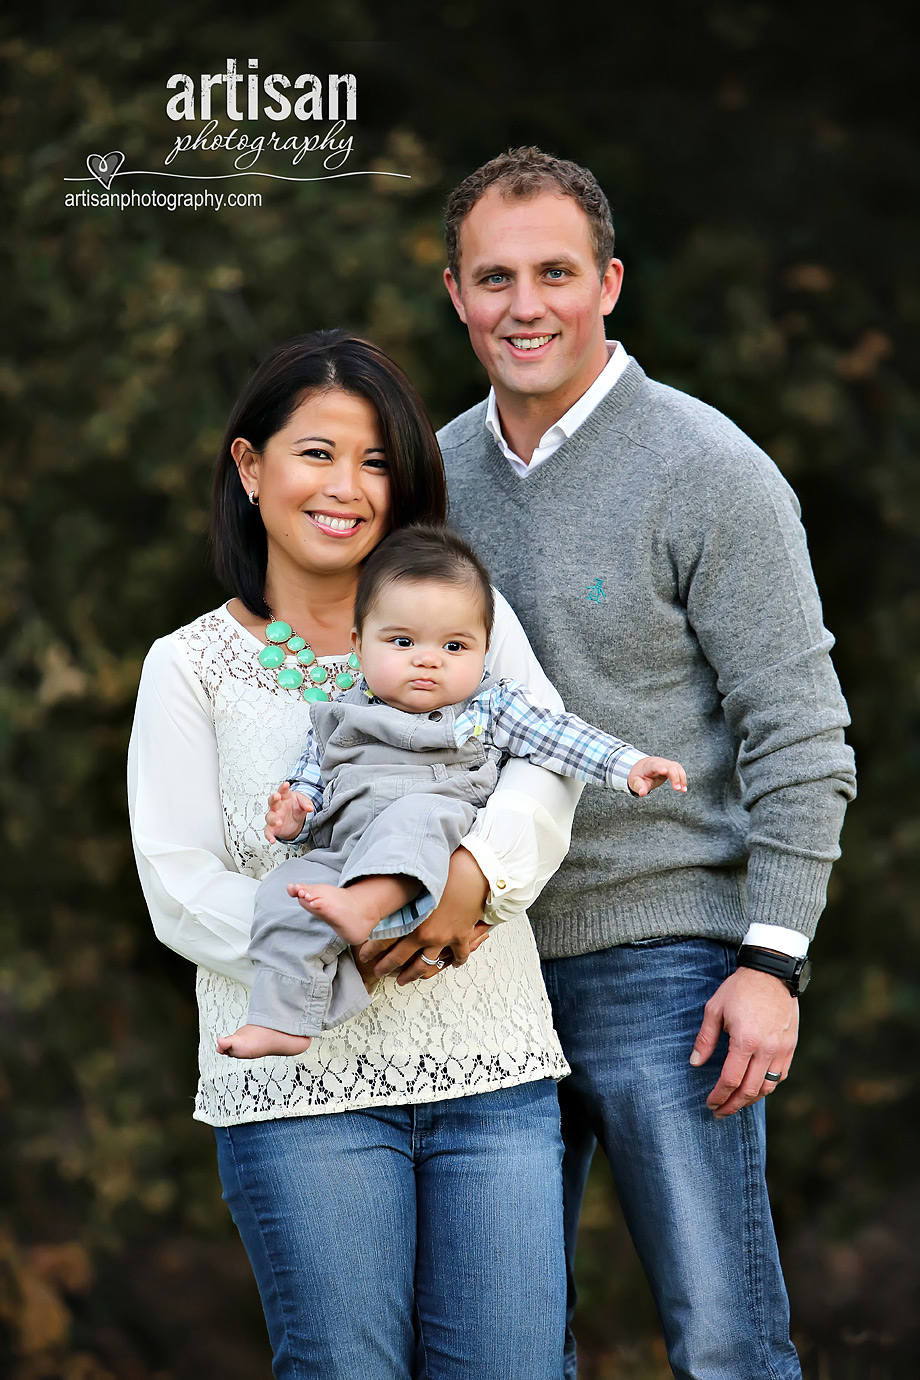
751	599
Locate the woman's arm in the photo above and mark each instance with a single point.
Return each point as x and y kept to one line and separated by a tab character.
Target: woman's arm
522	834
199	903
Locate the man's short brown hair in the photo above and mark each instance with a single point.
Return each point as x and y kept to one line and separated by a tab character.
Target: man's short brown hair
524	173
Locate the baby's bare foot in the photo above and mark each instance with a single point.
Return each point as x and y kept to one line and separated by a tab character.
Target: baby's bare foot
258	1041
343	907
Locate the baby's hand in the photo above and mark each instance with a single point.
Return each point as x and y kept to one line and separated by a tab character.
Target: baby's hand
286	813
650	772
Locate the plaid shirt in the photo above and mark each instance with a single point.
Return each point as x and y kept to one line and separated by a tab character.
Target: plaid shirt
308	779
507	718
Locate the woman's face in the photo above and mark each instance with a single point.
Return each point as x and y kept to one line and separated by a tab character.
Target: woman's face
322	484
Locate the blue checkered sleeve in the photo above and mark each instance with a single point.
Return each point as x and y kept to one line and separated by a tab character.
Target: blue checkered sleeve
307	779
508	716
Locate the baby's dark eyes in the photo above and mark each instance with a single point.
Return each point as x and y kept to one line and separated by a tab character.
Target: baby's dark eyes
404	642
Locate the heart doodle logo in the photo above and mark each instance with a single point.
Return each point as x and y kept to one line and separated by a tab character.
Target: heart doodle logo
104	166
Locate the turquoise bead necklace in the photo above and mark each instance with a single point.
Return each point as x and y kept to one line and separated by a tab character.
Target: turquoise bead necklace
305	674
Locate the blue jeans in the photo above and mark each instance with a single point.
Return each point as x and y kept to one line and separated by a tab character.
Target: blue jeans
692	1189
402	1242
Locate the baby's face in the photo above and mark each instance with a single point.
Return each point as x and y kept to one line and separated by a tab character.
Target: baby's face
423	645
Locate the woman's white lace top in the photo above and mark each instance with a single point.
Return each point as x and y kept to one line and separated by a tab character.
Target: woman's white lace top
213	734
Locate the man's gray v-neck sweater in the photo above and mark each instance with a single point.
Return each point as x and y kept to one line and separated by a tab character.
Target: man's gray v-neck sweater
659	567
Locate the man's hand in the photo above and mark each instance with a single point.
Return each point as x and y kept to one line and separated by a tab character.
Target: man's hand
761	1017
456	924
286	813
650	772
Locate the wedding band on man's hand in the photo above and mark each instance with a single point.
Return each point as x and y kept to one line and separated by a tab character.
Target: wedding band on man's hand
772	1077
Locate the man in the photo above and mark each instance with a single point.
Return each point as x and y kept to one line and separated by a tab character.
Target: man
655	558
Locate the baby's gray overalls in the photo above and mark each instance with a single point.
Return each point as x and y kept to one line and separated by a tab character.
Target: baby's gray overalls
398	797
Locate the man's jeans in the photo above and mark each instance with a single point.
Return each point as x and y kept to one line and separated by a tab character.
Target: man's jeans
398	1242
692	1188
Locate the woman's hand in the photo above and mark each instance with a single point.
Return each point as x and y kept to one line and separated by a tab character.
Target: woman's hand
456	925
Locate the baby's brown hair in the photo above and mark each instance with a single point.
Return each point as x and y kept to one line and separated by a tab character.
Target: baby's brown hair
418	553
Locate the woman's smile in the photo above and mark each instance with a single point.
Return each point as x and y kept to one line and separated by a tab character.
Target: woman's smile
341	525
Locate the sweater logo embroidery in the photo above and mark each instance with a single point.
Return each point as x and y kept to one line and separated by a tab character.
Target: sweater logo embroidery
596	594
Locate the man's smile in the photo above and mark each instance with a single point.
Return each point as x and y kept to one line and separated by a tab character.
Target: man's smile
527	344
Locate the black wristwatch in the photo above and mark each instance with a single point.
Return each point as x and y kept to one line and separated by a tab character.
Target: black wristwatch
794	972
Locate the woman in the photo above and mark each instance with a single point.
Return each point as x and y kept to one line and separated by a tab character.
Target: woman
397	1186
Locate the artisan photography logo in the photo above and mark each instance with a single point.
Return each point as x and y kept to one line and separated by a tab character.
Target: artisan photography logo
227	110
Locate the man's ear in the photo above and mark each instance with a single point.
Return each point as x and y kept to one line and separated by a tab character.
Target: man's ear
611	283
453	287
247	465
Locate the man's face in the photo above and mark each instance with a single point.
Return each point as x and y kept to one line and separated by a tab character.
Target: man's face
531	296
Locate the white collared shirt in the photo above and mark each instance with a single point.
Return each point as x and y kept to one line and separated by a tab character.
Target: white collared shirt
568	424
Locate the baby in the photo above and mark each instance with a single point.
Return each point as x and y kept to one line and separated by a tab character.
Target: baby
390	781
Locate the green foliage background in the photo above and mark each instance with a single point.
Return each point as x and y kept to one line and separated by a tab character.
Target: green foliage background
762	161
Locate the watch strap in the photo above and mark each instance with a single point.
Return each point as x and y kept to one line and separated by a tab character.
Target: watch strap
783	966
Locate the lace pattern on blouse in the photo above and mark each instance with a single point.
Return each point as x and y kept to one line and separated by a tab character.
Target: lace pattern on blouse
471	1029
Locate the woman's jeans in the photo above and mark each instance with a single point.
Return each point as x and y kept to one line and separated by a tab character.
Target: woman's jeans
692	1188
400	1242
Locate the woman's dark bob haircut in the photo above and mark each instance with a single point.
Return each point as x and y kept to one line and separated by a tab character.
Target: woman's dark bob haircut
308	364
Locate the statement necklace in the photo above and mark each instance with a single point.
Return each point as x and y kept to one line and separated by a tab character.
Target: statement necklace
305	670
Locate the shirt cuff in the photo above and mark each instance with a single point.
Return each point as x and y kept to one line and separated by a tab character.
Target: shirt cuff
494	873
518	848
790	942
619	769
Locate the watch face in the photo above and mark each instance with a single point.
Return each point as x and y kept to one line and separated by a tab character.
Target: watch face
804	975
